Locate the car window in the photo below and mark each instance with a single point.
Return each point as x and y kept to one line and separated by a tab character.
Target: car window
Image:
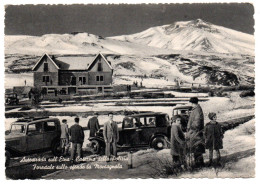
49	126
161	121
18	129
138	122
127	122
150	121
35	128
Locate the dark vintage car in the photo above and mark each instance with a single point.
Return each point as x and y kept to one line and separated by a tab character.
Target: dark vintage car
32	135
184	112
147	130
11	99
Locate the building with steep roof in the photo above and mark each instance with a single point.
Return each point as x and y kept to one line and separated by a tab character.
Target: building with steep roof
67	75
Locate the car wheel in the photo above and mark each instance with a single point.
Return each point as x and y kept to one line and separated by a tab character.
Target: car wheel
55	148
159	143
95	147
7	158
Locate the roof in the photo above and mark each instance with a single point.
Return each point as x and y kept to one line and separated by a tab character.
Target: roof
103	58
32	120
183	107
41	59
147	114
73	62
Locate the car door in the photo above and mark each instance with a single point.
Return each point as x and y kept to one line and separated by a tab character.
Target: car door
140	134
34	137
147	129
50	132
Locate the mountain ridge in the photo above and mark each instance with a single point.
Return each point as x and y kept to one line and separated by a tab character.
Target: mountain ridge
189	35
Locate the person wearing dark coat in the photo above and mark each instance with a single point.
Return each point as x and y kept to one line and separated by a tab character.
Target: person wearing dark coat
77	138
213	137
195	128
93	125
177	142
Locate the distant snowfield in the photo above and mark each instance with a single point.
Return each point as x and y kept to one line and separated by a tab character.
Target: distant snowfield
195	35
12	80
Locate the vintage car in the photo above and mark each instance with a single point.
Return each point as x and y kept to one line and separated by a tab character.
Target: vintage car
184	112
11	99
29	135
145	130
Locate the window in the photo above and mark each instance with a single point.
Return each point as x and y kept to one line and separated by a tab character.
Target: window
45	68
97	78
82	80
45	78
99	66
73	80
49	126
18	129
35	128
151	121
101	78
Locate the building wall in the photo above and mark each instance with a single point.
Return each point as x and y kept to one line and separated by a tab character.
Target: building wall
51	66
39	73
105	67
38	79
107	78
65	77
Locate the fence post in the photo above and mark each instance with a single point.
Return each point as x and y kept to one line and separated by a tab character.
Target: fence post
130	161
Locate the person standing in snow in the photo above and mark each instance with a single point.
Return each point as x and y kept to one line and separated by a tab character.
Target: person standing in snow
194	137
213	137
177	142
77	138
111	136
93	125
64	137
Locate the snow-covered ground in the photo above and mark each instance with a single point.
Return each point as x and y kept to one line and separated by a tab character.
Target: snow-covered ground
12	80
238	161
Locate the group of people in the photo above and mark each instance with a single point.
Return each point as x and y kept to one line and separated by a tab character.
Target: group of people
194	142
197	138
75	135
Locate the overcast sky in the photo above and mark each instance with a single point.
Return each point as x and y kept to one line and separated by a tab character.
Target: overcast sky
112	20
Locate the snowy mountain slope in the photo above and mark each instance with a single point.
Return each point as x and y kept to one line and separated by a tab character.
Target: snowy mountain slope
77	43
195	35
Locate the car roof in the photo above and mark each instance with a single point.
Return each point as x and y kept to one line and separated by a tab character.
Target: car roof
147	114
182	107
33	120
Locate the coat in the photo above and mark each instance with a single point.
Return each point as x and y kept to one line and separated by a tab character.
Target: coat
213	135
195	127
93	126
110	132
177	141
77	134
64	131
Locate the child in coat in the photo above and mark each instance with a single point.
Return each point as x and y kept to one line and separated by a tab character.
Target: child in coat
177	141
213	137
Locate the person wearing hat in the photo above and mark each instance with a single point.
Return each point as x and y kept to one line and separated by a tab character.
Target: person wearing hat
93	125
177	142
213	137
195	127
64	137
111	136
